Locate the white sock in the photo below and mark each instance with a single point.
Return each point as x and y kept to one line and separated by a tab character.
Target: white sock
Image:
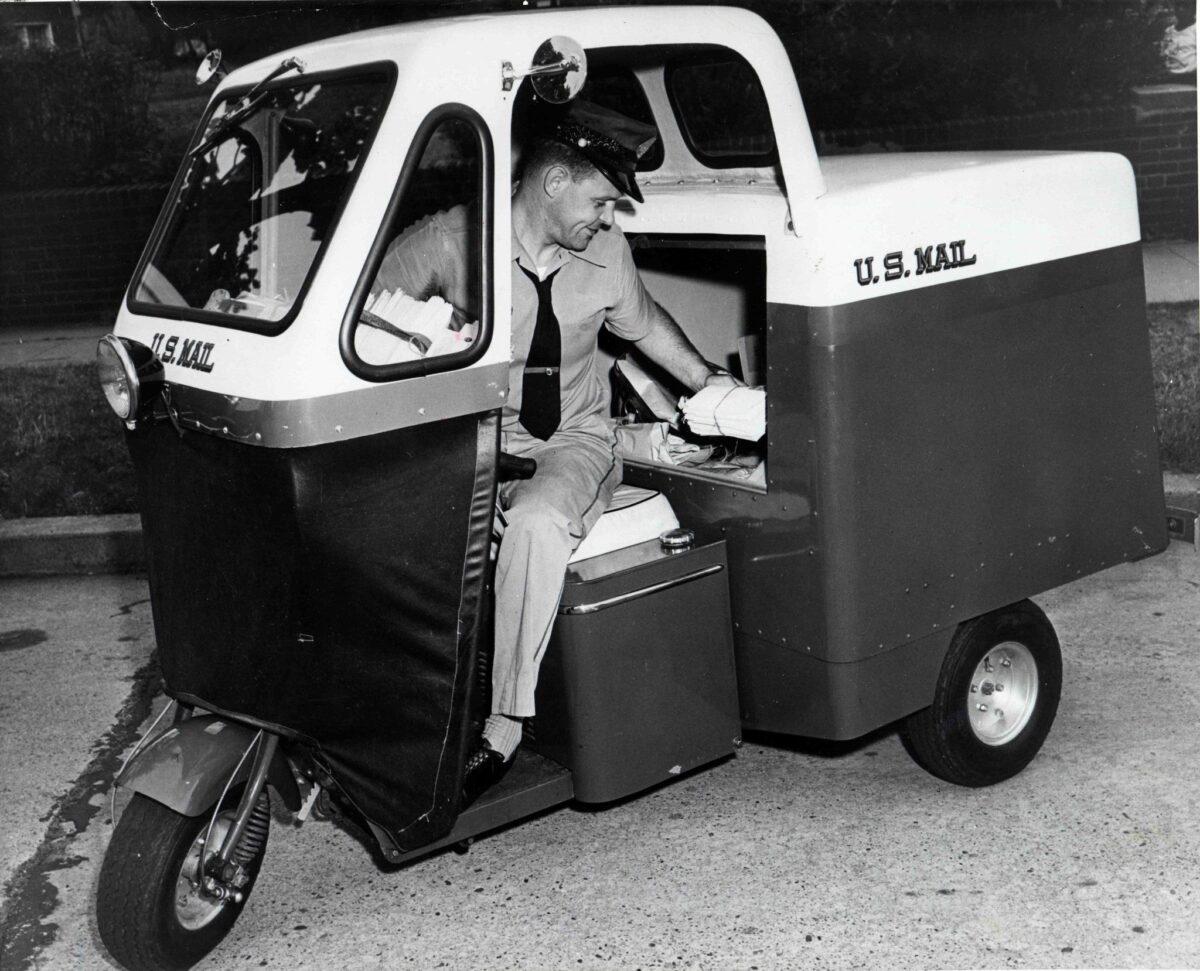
503	734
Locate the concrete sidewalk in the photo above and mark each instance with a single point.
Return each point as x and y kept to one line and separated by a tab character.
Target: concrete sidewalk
1172	271
792	854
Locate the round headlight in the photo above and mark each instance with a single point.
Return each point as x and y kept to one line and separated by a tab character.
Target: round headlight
130	375
118	377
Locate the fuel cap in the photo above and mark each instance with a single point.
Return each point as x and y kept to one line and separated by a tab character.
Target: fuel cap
676	540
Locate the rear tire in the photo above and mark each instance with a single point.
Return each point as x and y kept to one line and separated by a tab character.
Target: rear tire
149	912
995	699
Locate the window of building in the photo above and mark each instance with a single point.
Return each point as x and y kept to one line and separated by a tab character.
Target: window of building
34	36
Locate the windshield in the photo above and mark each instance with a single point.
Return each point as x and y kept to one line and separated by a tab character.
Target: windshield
256	205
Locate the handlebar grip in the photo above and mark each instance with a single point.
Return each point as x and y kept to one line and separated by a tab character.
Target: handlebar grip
513	467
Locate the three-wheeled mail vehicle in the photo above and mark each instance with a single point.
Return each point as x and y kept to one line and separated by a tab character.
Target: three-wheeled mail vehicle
959	415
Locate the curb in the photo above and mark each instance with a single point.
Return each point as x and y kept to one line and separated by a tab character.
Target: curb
71	545
74	545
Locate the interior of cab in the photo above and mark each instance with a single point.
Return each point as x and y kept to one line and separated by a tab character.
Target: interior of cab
715	287
700	248
713	120
708	273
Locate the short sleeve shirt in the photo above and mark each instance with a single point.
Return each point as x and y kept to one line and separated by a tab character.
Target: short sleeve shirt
437	255
592	289
597	287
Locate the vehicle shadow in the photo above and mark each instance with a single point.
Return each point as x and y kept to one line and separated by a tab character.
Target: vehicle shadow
819	748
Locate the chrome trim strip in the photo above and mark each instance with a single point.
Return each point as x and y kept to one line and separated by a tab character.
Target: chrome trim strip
302	422
645	591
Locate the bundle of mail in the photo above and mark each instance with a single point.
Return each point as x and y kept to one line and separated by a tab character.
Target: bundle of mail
655	442
400	328
727	412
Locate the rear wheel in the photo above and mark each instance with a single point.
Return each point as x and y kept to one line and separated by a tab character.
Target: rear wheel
150	910
995	700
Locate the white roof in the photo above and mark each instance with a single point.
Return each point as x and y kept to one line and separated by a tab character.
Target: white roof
460	59
457	43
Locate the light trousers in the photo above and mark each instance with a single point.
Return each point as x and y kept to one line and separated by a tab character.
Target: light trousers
546	518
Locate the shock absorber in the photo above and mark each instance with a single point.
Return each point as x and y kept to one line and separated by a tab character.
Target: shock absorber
255	836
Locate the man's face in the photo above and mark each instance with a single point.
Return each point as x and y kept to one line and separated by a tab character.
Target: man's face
581	209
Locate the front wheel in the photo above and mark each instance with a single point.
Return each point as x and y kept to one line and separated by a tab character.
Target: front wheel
995	700
150	910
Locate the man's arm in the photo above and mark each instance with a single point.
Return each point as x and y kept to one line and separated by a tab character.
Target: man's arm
668	346
410	262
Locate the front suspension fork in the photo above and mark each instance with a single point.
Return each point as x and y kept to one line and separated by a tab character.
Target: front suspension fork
224	870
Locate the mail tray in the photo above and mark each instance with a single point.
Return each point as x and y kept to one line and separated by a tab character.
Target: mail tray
638	683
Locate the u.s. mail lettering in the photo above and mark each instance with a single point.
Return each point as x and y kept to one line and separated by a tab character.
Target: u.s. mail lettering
926	259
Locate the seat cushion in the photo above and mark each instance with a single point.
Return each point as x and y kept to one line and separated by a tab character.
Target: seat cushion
634	516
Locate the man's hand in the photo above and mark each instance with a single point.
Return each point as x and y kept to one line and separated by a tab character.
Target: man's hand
722	379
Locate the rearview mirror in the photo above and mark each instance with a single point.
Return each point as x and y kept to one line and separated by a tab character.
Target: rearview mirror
209	66
558	72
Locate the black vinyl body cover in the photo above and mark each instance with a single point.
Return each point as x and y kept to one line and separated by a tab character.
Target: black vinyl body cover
333	592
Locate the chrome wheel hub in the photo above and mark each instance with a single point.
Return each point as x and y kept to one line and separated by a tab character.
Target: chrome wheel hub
194	908
1003	694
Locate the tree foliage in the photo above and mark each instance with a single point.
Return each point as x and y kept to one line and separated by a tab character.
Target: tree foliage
866	63
76	118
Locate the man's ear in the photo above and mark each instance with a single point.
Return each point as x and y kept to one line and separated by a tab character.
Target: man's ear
554	179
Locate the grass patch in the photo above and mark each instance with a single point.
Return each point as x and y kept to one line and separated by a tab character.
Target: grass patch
1175	356
62	451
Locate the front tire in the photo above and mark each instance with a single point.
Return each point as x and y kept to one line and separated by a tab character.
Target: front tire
995	699
149	909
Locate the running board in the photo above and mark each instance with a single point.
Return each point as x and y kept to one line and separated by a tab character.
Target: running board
533	783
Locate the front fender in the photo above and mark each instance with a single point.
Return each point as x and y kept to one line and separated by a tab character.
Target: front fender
187	766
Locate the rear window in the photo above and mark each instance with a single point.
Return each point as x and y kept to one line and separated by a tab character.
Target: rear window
259	197
721	109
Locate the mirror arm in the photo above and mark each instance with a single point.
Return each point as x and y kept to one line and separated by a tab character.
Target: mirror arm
556	57
509	76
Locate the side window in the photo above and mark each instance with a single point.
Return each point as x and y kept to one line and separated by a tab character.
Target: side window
426	300
721	109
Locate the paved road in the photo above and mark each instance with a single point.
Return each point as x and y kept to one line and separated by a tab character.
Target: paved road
789	855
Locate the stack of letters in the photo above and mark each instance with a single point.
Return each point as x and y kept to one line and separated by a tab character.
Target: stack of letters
727	412
403	329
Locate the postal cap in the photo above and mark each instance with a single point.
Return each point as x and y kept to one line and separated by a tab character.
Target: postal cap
609	140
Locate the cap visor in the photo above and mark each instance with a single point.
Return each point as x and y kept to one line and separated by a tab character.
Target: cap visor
622	180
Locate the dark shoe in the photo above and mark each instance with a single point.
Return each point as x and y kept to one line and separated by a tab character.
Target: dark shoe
484	769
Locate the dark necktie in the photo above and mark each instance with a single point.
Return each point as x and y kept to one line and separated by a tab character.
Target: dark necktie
541	402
